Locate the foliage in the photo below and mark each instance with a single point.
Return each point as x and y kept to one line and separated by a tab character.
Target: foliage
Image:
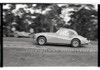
84	21
83	18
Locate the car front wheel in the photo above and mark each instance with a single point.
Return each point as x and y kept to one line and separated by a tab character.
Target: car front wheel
41	40
75	42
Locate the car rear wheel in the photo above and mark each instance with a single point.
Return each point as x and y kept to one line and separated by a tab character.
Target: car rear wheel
41	40
75	43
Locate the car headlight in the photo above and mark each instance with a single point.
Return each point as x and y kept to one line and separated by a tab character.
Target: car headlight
87	40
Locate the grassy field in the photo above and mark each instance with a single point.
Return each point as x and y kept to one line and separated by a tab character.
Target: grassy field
22	57
25	53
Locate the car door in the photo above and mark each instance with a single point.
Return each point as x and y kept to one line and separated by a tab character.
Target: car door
62	37
65	37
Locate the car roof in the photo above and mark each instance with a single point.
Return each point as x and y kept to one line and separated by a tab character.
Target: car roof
66	29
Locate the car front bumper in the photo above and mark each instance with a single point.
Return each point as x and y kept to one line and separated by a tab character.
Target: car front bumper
86	42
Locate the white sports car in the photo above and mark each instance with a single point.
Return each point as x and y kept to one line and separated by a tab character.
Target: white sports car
63	35
22	34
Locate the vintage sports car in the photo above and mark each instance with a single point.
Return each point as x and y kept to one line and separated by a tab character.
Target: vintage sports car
22	34
17	34
62	36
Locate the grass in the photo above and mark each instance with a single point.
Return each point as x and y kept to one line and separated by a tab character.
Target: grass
27	57
22	57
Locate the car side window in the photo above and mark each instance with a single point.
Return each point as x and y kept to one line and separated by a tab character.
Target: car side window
64	33
71	33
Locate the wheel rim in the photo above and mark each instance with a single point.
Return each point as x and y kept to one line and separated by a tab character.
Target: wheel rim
75	43
41	41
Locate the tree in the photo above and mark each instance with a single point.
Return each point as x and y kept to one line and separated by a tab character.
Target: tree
81	20
50	18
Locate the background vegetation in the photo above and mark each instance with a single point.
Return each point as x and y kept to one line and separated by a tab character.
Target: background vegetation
50	17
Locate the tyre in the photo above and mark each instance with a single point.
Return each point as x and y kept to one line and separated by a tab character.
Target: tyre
16	35
41	40
75	43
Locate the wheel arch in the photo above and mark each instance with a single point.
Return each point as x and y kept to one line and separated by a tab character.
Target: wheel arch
41	36
78	39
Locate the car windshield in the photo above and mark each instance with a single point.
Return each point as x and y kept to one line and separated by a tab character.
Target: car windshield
66	32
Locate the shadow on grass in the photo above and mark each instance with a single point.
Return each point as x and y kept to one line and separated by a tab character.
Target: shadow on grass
59	45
